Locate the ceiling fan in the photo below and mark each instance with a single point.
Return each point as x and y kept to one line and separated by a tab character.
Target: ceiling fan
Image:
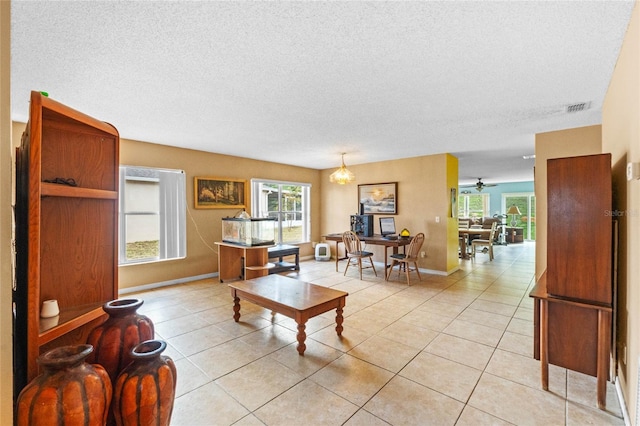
480	185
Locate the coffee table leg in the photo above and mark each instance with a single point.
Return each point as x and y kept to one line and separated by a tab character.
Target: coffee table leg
236	309
302	336
339	321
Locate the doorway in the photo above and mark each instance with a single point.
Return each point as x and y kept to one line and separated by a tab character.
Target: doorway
526	203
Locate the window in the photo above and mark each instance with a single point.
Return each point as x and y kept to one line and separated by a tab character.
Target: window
152	215
526	203
289	203
473	205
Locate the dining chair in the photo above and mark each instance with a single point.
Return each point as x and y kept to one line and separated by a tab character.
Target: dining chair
410	257
488	243
355	253
463	224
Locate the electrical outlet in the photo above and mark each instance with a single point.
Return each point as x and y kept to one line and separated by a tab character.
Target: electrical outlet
437	219
423	254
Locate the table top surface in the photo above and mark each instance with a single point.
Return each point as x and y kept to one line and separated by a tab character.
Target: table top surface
284	248
474	230
288	291
375	239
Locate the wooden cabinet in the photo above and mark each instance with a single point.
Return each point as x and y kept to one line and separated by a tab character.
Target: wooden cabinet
579	228
573	298
236	262
66	229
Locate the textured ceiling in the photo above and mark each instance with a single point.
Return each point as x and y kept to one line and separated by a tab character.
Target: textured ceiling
300	82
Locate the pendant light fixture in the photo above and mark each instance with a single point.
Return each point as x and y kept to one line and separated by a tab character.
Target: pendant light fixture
342	175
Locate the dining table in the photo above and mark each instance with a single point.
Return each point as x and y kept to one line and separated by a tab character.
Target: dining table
465	238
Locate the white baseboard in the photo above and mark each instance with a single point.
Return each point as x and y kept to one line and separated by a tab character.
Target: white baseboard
623	406
166	283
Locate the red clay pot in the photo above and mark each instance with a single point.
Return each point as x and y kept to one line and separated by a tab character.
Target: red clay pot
68	392
145	390
114	339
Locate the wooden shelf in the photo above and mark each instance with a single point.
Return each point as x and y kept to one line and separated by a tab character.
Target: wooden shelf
241	262
68	320
261	267
58	190
66	236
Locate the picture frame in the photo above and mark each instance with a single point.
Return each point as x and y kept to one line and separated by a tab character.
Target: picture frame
219	193
378	198
454	202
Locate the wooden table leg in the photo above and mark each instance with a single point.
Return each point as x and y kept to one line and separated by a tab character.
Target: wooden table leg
337	256
339	320
386	265
236	308
604	324
302	336
544	343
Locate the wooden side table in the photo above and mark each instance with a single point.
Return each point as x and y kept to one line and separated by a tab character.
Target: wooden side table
279	252
514	234
572	334
236	262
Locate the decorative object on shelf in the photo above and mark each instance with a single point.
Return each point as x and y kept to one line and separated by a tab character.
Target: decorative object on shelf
219	193
514	210
145	389
121	332
242	214
69	391
378	198
342	175
49	309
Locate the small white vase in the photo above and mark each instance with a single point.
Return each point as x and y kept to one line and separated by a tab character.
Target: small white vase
49	309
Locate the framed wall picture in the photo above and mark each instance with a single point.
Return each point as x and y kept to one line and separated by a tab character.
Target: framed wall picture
454	202
219	193
378	198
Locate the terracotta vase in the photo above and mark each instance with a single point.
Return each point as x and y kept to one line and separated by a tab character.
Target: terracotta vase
69	391
145	390
114	339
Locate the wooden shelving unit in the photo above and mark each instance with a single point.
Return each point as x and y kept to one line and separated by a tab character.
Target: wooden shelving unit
573	300
237	262
66	236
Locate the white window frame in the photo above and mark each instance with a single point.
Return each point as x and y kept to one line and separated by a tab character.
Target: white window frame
258	198
530	197
171	211
463	199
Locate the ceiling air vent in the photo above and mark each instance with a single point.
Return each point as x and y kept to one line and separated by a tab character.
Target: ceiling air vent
578	107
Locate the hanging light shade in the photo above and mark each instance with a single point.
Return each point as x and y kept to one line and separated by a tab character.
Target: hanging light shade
342	175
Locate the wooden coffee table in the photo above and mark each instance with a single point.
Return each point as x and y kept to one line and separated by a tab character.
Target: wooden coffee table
290	297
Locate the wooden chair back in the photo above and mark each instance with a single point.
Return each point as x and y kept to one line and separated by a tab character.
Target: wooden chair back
415	246
351	243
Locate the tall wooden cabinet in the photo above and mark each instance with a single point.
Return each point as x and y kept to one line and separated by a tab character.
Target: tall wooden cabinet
66	229
573	299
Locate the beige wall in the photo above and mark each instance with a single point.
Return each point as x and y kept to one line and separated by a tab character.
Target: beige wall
6	363
423	195
621	137
562	143
204	226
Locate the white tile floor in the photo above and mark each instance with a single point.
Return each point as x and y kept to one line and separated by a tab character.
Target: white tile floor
443	351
